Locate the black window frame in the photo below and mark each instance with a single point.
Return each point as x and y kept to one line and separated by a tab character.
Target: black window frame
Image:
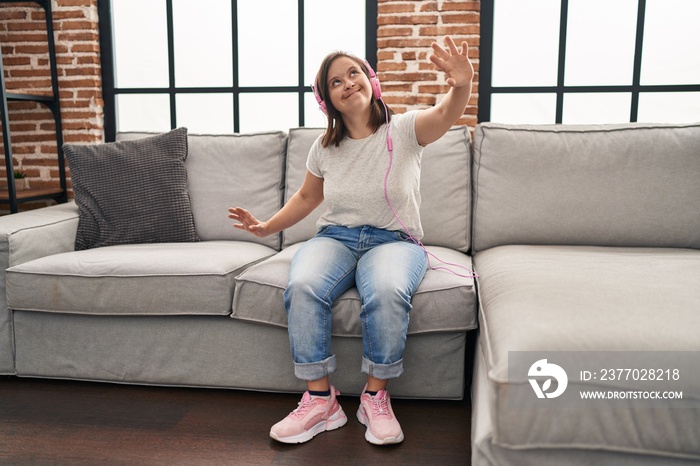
487	90
110	91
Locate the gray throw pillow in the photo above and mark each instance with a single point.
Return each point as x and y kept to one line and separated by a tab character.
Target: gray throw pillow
132	192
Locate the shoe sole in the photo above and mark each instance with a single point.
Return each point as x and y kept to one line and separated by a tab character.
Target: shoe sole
336	421
371	438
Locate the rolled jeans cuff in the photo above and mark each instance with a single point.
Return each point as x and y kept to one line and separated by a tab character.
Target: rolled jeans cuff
382	371
315	370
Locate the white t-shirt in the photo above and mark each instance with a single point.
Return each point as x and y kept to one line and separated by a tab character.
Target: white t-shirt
353	174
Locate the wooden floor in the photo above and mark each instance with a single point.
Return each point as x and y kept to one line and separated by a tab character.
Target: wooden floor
45	422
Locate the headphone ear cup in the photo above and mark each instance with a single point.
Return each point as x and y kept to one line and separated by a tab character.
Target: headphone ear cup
376	88
374	82
321	103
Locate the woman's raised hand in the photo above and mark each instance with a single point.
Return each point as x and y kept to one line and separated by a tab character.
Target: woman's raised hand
456	65
248	222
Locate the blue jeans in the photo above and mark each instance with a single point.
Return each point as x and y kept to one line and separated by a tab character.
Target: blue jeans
386	269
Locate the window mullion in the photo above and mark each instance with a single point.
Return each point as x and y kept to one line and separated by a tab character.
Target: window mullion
637	70
371	11
236	81
171	62
104	11
300	32
563	22
485	61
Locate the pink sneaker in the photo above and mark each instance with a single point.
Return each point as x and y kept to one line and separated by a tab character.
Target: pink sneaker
375	412
313	416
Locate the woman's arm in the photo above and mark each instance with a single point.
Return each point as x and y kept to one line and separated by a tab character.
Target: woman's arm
302	203
433	122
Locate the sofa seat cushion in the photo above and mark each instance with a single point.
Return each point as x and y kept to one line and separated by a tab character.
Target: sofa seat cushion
589	299
154	279
443	302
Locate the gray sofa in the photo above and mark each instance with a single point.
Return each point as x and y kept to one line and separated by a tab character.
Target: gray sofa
586	240
210	313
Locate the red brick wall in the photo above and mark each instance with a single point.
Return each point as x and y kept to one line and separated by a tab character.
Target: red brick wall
25	58
409	80
406	30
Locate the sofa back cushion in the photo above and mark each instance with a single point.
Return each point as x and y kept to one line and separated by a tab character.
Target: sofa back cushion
298	146
634	185
445	188
225	171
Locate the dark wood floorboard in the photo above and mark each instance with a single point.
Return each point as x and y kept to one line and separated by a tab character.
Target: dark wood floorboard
46	422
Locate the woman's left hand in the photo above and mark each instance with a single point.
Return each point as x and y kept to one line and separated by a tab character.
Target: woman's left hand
456	65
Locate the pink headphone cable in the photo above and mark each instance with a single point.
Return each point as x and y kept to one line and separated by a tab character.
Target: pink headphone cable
390	146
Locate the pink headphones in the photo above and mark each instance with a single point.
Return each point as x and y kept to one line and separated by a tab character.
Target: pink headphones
373	80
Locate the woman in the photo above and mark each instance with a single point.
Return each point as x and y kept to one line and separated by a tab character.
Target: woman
362	237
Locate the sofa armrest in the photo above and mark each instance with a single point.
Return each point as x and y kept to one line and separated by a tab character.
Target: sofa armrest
37	233
23	237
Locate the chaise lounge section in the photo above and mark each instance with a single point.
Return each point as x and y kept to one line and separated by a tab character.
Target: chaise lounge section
586	240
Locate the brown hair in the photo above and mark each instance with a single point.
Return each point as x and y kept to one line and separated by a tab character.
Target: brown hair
335	131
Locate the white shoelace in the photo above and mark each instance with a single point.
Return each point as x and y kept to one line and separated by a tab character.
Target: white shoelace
303	406
380	406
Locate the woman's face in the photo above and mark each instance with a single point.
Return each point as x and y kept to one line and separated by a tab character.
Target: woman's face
348	86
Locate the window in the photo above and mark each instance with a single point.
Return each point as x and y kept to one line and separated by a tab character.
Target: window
589	61
222	66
